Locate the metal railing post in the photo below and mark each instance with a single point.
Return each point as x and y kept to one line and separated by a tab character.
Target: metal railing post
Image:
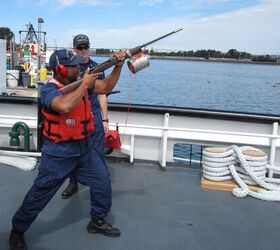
273	148
131	148
164	140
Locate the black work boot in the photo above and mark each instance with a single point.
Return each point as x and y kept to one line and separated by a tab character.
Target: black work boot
71	189
101	226
17	241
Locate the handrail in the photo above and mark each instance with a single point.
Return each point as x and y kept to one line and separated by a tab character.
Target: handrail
163	128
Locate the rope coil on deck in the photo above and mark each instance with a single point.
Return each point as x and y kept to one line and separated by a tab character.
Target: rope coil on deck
21	162
216	162
246	165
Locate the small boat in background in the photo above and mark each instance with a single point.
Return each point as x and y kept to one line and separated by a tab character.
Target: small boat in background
26	61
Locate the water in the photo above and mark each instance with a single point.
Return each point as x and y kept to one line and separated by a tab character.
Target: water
252	88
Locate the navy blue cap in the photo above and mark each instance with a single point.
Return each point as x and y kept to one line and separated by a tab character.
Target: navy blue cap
80	39
65	57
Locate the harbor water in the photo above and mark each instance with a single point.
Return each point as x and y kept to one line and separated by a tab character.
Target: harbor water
253	88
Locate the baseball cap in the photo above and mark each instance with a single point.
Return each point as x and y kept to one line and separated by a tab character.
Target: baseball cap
65	57
80	39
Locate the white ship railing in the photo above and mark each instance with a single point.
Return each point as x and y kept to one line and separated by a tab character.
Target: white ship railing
151	136
199	136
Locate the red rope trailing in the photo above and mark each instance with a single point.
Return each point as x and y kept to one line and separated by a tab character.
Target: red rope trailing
130	97
131	90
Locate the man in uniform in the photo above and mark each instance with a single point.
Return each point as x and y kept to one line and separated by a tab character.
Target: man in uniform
67	147
98	103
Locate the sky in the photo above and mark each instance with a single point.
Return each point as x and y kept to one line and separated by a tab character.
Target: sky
245	25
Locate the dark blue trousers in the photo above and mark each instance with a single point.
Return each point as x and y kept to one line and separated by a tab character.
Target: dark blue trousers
89	169
98	144
98	141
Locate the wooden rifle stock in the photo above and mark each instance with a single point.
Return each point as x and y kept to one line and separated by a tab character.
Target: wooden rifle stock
113	61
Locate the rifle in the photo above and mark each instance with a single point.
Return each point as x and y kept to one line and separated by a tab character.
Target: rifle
113	61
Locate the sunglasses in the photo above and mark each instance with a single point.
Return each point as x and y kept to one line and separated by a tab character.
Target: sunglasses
83	46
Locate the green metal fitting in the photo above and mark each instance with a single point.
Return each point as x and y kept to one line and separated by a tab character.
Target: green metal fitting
15	133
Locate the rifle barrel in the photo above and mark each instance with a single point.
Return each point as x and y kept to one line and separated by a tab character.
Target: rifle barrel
159	38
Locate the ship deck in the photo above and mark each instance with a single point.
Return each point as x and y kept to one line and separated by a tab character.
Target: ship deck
154	209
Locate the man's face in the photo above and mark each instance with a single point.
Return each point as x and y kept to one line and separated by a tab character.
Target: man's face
72	72
83	50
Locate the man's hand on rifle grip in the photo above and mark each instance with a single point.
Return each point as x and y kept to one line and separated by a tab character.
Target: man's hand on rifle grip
120	55
89	78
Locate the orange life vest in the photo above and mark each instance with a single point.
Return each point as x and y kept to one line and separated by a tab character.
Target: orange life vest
75	125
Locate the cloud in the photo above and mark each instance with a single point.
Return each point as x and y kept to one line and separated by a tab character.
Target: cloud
65	3
68	3
252	29
107	2
151	2
198	4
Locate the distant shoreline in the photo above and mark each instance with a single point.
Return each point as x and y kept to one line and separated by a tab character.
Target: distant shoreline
201	59
223	60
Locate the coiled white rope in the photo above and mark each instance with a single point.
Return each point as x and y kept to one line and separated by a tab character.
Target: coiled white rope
249	167
216	162
21	162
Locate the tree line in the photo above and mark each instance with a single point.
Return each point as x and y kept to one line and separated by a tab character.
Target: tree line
207	54
203	53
